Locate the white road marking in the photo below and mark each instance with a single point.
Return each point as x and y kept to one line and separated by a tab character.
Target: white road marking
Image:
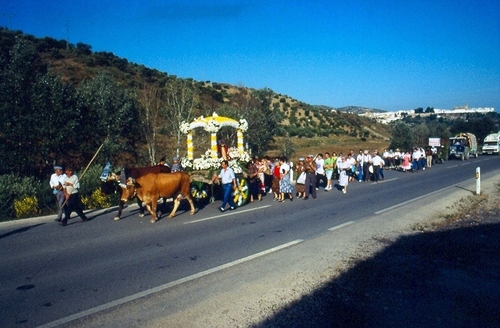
226	214
151	291
382	181
340	226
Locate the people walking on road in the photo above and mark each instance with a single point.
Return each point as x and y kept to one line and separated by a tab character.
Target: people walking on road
300	187
366	162
228	181
359	161
253	182
320	171
285	184
428	156
310	184
73	203
328	164
406	162
56	183
344	167
378	164
275	187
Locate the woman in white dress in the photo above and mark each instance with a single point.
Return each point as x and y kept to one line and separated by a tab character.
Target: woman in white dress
344	178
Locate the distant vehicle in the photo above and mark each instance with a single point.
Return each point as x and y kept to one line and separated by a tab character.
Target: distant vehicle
491	144
463	146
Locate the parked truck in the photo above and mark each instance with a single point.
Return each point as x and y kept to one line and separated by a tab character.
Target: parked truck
491	144
463	146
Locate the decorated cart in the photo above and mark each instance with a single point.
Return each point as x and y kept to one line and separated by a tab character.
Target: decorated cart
203	168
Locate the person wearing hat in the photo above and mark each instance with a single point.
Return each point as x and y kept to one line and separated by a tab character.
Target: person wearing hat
73	202
163	162
176	166
56	183
310	184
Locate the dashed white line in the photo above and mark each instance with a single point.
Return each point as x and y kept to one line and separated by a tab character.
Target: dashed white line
340	226
231	213
165	286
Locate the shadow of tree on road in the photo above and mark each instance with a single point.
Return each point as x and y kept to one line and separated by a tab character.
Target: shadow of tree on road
446	278
20	230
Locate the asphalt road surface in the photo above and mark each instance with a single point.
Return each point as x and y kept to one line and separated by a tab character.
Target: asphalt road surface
52	275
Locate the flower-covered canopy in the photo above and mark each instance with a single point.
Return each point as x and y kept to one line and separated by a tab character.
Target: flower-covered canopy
210	160
214	123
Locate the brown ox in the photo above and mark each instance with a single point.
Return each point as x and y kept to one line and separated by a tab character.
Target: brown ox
112	184
152	186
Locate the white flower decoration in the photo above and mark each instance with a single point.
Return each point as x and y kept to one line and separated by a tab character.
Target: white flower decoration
243	125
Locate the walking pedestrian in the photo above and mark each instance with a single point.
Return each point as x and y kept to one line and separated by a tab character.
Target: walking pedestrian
56	183
73	202
310	184
228	181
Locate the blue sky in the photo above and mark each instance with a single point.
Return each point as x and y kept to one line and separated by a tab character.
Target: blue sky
390	55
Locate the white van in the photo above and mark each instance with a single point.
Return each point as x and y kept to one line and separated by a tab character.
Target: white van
491	144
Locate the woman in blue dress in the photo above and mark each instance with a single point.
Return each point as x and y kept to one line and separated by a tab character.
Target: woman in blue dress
285	184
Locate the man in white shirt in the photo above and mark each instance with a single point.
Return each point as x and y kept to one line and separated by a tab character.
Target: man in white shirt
56	183
359	160
320	170
378	164
228	181
366	159
73	202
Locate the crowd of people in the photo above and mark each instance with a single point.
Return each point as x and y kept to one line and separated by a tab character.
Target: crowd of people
314	172
275	176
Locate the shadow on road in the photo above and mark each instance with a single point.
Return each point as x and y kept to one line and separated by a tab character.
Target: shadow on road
20	230
447	278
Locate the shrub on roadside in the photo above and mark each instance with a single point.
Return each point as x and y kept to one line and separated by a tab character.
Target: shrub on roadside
26	196
96	200
26	207
14	188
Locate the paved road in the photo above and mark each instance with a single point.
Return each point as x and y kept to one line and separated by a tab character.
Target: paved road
54	275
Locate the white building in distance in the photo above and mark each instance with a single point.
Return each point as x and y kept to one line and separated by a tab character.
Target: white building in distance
388	117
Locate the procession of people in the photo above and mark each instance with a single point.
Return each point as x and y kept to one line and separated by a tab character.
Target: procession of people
278	176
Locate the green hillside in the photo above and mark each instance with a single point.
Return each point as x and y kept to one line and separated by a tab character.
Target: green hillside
134	108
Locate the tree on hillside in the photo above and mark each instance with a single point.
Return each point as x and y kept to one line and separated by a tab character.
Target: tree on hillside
263	122
18	117
401	137
420	135
106	112
151	112
181	99
53	105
